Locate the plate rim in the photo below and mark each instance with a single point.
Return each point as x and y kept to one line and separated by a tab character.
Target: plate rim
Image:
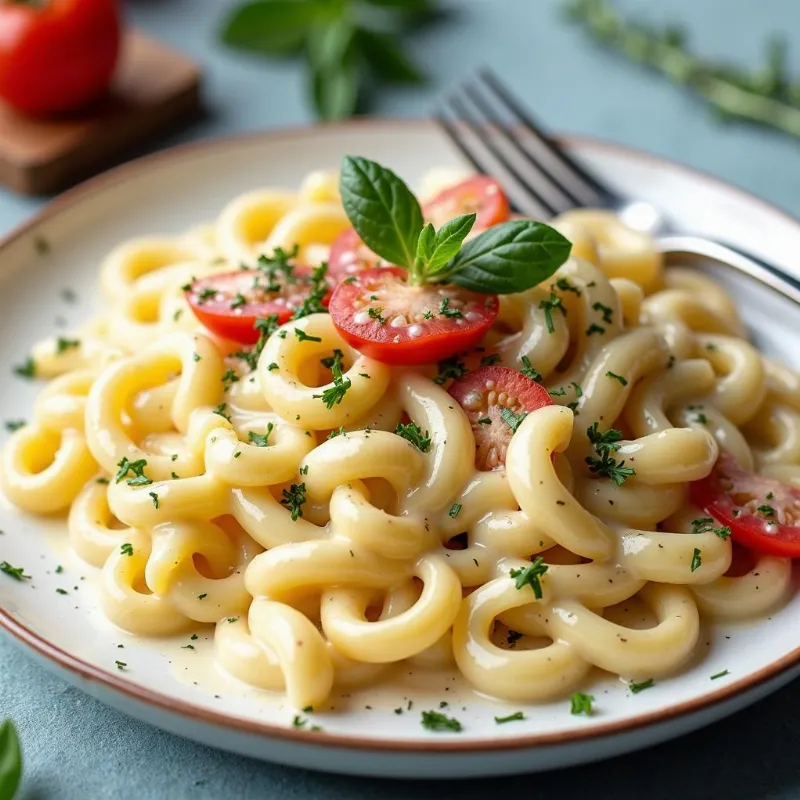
85	671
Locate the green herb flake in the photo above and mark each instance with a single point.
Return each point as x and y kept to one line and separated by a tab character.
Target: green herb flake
261	440
293	499
413	433
581	703
616	377
530	575
12	425
720	674
18	573
515	717
126	549
640	687
436	721
455	510
528	371
511	419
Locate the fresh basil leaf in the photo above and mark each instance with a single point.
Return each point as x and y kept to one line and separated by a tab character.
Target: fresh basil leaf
509	258
334	91
330	43
384	57
277	27
382	209
10	759
448	241
426	244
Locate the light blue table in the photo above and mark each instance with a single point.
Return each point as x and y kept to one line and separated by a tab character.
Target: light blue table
77	749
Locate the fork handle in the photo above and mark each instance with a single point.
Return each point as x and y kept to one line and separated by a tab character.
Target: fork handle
698	248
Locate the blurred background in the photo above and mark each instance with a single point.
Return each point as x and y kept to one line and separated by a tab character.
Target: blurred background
557	66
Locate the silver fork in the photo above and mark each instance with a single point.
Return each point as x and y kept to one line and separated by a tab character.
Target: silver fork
500	138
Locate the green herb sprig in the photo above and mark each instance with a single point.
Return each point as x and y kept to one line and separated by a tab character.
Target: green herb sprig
504	259
349	46
766	96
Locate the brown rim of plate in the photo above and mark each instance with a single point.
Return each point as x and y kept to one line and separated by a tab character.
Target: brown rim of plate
83	671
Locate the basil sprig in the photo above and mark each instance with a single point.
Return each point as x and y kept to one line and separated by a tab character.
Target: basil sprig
506	258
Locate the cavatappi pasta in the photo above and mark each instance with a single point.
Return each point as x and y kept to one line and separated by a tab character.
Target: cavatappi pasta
360	570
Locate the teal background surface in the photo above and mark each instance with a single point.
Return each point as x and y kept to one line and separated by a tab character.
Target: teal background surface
77	749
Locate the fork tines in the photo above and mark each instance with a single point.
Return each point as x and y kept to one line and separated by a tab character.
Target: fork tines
500	139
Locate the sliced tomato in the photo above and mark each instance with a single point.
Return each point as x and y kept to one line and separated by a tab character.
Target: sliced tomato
480	195
230	303
496	400
350	255
383	316
763	514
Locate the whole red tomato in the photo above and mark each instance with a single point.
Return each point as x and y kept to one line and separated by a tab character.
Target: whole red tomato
57	55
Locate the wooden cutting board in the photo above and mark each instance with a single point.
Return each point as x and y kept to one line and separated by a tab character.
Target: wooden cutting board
155	88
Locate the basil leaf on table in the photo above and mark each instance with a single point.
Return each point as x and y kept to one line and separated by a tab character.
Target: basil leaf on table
277	27
10	760
382	209
385	58
448	241
509	257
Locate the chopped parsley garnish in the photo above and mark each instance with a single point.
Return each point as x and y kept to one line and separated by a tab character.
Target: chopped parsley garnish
27	369
302	336
206	294
279	262
375	313
335	359
202	596
595	329
606	465
702	525
238	301
581	703
565	286
18	573
272	366
616	377
61	591
126	549
511	419
340	431
697	559
265	326
446	311
436	721
229	377
196	356
259	439
640	687
14	424
701	418
529	576
720	674
334	395
605	311
312	303
221	410
137	468
187	647
154	497
767	511
578	389
232	619
120	665
62	345
548	306
102	481
488	361
59	569
484	421
560	392
454	511
770	495
413	433
528	371
450	368
515	717
293	499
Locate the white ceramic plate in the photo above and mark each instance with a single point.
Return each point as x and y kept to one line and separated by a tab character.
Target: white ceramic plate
172	190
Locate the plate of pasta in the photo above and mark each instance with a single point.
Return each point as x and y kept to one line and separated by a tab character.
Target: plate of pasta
385	480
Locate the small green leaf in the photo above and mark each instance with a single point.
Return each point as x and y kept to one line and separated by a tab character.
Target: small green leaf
10	760
382	209
275	27
330	42
448	241
509	258
384	57
426	243
335	91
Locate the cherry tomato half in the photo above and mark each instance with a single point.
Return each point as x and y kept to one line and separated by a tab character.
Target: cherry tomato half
496	400
230	303
762	513
380	314
480	195
350	255
57	55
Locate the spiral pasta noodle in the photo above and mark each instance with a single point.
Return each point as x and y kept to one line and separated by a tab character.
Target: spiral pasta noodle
321	548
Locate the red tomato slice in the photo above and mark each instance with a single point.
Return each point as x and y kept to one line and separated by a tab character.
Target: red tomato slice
480	195
350	255
380	314
496	400
762	513
229	304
